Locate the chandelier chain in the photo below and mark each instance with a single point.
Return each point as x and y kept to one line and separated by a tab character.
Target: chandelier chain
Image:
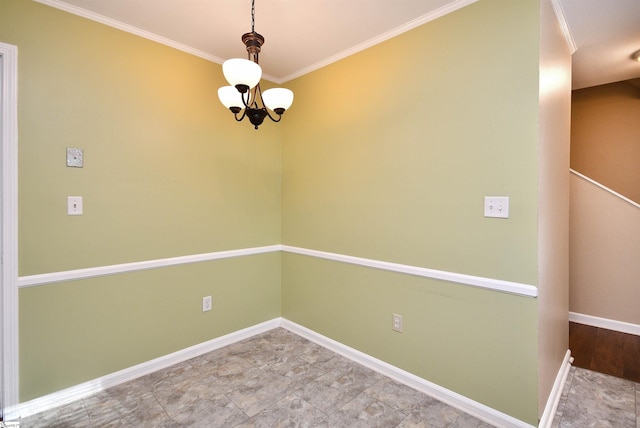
253	15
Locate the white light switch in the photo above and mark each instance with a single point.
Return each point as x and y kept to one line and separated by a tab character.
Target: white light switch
74	205
496	206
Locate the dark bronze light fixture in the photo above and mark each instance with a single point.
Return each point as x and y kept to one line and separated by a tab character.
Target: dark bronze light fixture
244	77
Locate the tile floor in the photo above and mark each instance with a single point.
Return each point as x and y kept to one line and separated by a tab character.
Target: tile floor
278	379
592	399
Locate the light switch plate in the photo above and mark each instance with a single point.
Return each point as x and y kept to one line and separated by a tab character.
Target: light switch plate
74	205
74	158
496	206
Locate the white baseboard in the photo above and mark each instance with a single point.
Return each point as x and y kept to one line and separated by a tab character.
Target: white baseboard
471	407
449	397
621	326
556	392
91	387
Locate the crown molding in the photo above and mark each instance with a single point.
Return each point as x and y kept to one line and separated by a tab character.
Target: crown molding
564	25
435	14
75	10
448	8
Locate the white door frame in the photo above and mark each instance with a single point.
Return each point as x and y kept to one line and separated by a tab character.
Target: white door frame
9	386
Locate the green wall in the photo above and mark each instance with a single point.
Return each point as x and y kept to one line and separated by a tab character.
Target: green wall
80	330
167	172
388	155
478	343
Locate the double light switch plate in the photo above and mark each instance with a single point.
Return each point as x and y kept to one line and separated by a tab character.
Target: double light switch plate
496	206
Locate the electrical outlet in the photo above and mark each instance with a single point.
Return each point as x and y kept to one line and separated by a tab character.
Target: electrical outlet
396	323
206	303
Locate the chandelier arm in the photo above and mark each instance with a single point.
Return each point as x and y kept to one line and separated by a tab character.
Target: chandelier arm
246	103
257	92
239	119
271	117
264	106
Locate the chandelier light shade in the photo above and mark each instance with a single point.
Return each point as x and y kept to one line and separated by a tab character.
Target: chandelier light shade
244	97
278	98
230	97
240	71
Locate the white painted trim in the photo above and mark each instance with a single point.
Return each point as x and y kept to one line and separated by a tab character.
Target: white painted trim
9	230
48	278
556	392
129	29
476	281
564	25
447	396
448	8
444	10
609	324
605	188
95	386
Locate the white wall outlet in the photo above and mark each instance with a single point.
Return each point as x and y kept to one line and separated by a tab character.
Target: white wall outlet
74	205
206	303
396	323
496	206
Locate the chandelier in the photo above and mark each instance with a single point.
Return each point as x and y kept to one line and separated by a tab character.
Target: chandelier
244	95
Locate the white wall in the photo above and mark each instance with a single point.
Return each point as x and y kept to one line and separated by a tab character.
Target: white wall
553	201
605	254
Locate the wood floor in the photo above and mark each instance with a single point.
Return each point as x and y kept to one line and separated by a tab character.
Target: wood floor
605	351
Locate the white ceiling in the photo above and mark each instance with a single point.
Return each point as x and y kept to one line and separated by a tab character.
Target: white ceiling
606	34
303	35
